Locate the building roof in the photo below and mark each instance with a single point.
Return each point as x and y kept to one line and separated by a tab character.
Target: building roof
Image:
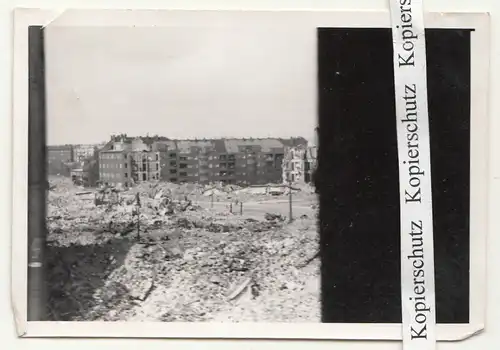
171	145
265	145
294	141
187	146
220	145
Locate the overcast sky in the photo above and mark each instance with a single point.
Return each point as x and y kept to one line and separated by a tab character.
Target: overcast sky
179	82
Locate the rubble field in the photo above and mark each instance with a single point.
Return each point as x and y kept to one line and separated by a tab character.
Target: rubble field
152	253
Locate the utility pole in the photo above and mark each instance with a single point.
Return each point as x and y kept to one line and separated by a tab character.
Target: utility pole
138	213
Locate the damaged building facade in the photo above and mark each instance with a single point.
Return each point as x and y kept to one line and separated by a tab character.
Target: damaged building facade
299	164
125	161
83	152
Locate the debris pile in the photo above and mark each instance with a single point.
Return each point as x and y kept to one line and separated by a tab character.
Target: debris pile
155	255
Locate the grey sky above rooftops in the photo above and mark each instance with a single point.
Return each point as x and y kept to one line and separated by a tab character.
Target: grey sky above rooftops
189	82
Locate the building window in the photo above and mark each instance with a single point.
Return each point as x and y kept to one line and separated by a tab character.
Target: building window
121	166
126	165
183	174
222	157
173	179
126	175
157	165
222	165
173	171
143	177
183	166
173	163
157	156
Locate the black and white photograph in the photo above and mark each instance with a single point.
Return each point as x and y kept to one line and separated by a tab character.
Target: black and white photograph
235	174
180	165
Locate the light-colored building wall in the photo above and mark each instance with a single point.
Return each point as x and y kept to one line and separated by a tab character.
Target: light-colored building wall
83	152
299	164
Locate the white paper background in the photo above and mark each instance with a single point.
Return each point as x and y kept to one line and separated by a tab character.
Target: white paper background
488	340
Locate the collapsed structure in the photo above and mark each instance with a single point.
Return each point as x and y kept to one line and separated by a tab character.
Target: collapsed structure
156	252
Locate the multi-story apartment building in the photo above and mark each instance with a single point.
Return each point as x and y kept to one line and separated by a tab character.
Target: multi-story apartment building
57	159
230	161
127	162
114	167
255	161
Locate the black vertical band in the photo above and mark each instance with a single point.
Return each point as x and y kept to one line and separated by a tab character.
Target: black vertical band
358	177
37	182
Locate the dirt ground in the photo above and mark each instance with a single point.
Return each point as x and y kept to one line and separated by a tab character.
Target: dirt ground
181	261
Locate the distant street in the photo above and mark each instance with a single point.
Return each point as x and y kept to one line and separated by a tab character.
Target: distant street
259	209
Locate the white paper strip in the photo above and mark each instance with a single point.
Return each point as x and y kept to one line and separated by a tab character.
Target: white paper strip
417	248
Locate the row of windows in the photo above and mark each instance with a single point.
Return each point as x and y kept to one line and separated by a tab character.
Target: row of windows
120	155
173	172
144	177
145	166
220	165
228	157
60	151
113	156
146	157
113	166
111	175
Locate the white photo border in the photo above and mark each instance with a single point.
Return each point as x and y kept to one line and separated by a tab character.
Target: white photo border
480	52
